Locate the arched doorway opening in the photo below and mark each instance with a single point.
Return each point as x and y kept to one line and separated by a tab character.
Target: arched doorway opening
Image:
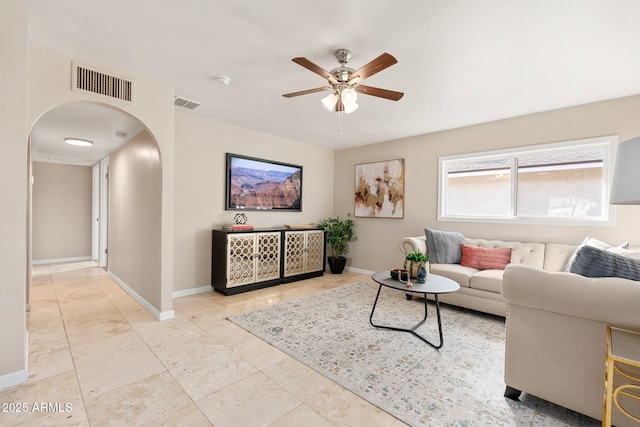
127	205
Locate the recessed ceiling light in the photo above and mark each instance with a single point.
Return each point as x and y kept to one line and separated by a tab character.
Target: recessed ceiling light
79	142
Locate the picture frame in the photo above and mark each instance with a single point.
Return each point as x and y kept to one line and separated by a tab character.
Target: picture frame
379	189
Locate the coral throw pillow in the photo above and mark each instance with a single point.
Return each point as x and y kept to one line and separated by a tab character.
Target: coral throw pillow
485	258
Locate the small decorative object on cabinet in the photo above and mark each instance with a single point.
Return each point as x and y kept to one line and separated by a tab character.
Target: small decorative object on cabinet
246	260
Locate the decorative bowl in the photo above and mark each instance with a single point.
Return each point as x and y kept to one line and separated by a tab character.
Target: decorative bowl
399	274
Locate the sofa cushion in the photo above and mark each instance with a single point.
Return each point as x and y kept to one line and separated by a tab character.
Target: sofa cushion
485	258
590	241
456	272
487	280
594	262
443	247
523	253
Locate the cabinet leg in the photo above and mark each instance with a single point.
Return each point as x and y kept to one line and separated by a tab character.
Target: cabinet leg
512	393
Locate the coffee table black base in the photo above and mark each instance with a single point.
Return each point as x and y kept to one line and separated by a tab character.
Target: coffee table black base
413	329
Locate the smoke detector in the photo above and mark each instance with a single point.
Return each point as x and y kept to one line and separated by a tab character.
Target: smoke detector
223	80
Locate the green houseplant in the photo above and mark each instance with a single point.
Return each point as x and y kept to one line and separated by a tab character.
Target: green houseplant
413	261
338	233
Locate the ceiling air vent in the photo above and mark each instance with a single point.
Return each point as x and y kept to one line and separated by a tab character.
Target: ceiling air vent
102	84
185	103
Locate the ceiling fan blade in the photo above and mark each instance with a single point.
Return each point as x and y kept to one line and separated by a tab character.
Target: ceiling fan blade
316	69
308	91
380	93
380	63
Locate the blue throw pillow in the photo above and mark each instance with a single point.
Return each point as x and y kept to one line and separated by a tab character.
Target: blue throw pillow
593	262
444	247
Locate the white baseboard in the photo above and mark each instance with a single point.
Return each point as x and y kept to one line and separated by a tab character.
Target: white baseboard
359	270
164	315
59	260
192	291
13	379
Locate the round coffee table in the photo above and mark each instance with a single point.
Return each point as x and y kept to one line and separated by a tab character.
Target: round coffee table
434	285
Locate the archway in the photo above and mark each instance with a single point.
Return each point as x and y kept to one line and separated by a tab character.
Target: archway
137	170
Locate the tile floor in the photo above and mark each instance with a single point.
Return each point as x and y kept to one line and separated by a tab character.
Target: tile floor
97	358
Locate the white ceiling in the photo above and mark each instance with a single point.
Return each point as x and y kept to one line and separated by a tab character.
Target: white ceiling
460	62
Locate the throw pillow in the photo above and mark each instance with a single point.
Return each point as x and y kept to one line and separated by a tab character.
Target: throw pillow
443	247
485	258
593	262
622	249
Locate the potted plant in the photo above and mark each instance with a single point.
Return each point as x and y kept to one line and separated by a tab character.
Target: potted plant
413	261
338	233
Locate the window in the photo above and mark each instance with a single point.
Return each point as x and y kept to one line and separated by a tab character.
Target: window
563	183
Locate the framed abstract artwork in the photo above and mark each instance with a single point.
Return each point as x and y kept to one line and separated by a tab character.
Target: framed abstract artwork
379	189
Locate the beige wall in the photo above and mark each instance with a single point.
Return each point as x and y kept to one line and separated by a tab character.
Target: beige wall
13	192
377	244
62	196
200	185
135	200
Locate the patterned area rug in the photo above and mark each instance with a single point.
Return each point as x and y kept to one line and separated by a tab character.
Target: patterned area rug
460	384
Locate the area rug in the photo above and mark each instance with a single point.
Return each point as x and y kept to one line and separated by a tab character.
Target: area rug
461	384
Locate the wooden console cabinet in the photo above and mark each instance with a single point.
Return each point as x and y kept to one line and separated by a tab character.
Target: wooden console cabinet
246	260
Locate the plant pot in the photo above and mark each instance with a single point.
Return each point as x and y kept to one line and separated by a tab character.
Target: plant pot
336	264
414	267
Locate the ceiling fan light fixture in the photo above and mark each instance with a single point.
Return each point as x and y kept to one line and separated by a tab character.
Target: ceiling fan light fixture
350	108
79	142
349	96
329	101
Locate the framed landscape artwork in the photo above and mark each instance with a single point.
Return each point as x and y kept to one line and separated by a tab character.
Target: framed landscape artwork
262	185
379	189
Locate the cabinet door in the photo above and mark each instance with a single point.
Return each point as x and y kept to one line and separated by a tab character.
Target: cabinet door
240	259
268	256
314	251
294	249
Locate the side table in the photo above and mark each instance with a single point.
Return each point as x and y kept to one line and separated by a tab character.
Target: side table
623	357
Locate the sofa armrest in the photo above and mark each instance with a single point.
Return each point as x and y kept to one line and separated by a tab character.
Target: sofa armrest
412	244
609	300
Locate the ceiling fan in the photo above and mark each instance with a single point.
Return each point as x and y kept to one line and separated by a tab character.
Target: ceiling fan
344	82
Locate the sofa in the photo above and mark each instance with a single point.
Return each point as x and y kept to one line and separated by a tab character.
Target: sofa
556	335
555	320
481	290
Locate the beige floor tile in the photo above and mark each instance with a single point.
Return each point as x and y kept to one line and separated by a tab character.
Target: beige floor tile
45	365
298	379
259	353
137	403
105	349
47	340
62	389
189	415
228	333
121	370
93	330
302	416
182	349
206	375
343	408
254	401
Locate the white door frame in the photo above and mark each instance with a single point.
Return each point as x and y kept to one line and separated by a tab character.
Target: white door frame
95	212
103	255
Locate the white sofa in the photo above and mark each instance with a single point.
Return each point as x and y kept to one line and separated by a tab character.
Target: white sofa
556	321
556	335
481	290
